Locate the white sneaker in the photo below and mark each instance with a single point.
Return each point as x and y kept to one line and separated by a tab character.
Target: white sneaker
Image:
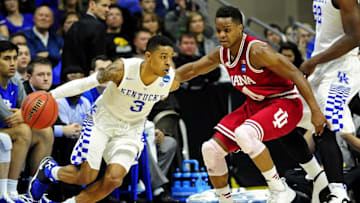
285	196
320	182
5	198
338	193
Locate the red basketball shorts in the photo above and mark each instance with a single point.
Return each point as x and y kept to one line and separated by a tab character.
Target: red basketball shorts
272	119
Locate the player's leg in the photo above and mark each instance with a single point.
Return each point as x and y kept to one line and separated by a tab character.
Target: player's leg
5	154
214	152
41	146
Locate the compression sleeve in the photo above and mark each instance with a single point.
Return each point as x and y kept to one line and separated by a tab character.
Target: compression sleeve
75	87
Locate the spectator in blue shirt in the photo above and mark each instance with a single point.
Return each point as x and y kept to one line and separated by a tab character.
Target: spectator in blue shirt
15	20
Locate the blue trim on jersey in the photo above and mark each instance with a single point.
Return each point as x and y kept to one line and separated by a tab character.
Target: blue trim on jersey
9	96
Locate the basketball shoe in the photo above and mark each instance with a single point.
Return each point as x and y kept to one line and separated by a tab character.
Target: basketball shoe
338	193
285	196
43	177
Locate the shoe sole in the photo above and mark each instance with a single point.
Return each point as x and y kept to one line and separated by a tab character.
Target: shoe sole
35	176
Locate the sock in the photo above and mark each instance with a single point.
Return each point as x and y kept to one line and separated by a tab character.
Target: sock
12	186
70	200
224	194
312	168
158	191
273	180
3	187
54	172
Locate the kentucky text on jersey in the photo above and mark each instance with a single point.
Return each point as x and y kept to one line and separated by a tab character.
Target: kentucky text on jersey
141	96
241	80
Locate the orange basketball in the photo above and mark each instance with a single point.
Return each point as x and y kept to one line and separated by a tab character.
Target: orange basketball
39	110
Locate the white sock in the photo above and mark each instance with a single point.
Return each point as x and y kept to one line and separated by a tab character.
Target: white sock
70	200
224	194
12	186
54	172
312	168
3	187
273	180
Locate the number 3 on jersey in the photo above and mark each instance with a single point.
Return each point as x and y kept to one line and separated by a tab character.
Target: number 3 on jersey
138	106
317	13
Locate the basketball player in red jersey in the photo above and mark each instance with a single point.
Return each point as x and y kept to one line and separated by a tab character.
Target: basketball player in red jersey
271	111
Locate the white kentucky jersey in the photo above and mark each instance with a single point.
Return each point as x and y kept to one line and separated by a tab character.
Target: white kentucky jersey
329	27
132	100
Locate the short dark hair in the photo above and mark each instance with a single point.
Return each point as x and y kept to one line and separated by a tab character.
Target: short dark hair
6	45
187	35
142	29
291	46
156	41
35	61
230	12
99	57
272	25
16	34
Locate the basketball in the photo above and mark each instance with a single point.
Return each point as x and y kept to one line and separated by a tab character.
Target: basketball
39	110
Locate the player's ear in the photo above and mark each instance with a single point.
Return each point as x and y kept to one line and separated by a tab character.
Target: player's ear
147	54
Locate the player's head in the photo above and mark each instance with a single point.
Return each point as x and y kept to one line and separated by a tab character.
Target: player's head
228	25
159	53
8	59
40	73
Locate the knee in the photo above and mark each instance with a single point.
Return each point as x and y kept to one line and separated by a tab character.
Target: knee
214	158
113	179
21	135
249	140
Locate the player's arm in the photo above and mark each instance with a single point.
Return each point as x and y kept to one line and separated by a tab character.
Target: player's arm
114	72
350	17
204	65
262	55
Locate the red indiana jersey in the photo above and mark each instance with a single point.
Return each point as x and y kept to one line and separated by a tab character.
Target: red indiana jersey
256	84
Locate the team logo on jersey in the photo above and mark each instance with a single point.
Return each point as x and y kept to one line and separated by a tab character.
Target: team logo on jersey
166	78
343	78
280	118
243	66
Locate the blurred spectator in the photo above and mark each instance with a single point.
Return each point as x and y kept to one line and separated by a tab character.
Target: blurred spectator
15	20
118	43
147	6
195	24
68	20
289	33
40	75
291	51
17	38
66	7
85	39
164	6
154	24
175	20
67	129
23	61
37	142
302	38
4	31
271	36
188	46
41	40
142	36
98	63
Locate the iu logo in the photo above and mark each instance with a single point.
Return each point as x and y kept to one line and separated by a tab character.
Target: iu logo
280	118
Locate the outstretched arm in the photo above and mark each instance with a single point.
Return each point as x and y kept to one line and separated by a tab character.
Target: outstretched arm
350	17
262	55
204	65
114	72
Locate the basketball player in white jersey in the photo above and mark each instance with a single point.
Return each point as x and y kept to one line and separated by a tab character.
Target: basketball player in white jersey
113	128
333	73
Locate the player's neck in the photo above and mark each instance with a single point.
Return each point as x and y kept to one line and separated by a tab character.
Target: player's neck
147	75
234	50
4	82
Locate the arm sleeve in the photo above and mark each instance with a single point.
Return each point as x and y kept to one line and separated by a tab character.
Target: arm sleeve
4	111
75	87
21	91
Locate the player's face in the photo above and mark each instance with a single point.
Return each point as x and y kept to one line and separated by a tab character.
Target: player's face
161	60
8	63
228	32
41	78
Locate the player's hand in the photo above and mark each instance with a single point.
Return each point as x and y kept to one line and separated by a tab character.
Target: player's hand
72	130
308	67
159	136
15	119
319	122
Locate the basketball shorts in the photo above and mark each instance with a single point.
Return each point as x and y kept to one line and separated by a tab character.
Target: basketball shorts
334	85
272	119
104	136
